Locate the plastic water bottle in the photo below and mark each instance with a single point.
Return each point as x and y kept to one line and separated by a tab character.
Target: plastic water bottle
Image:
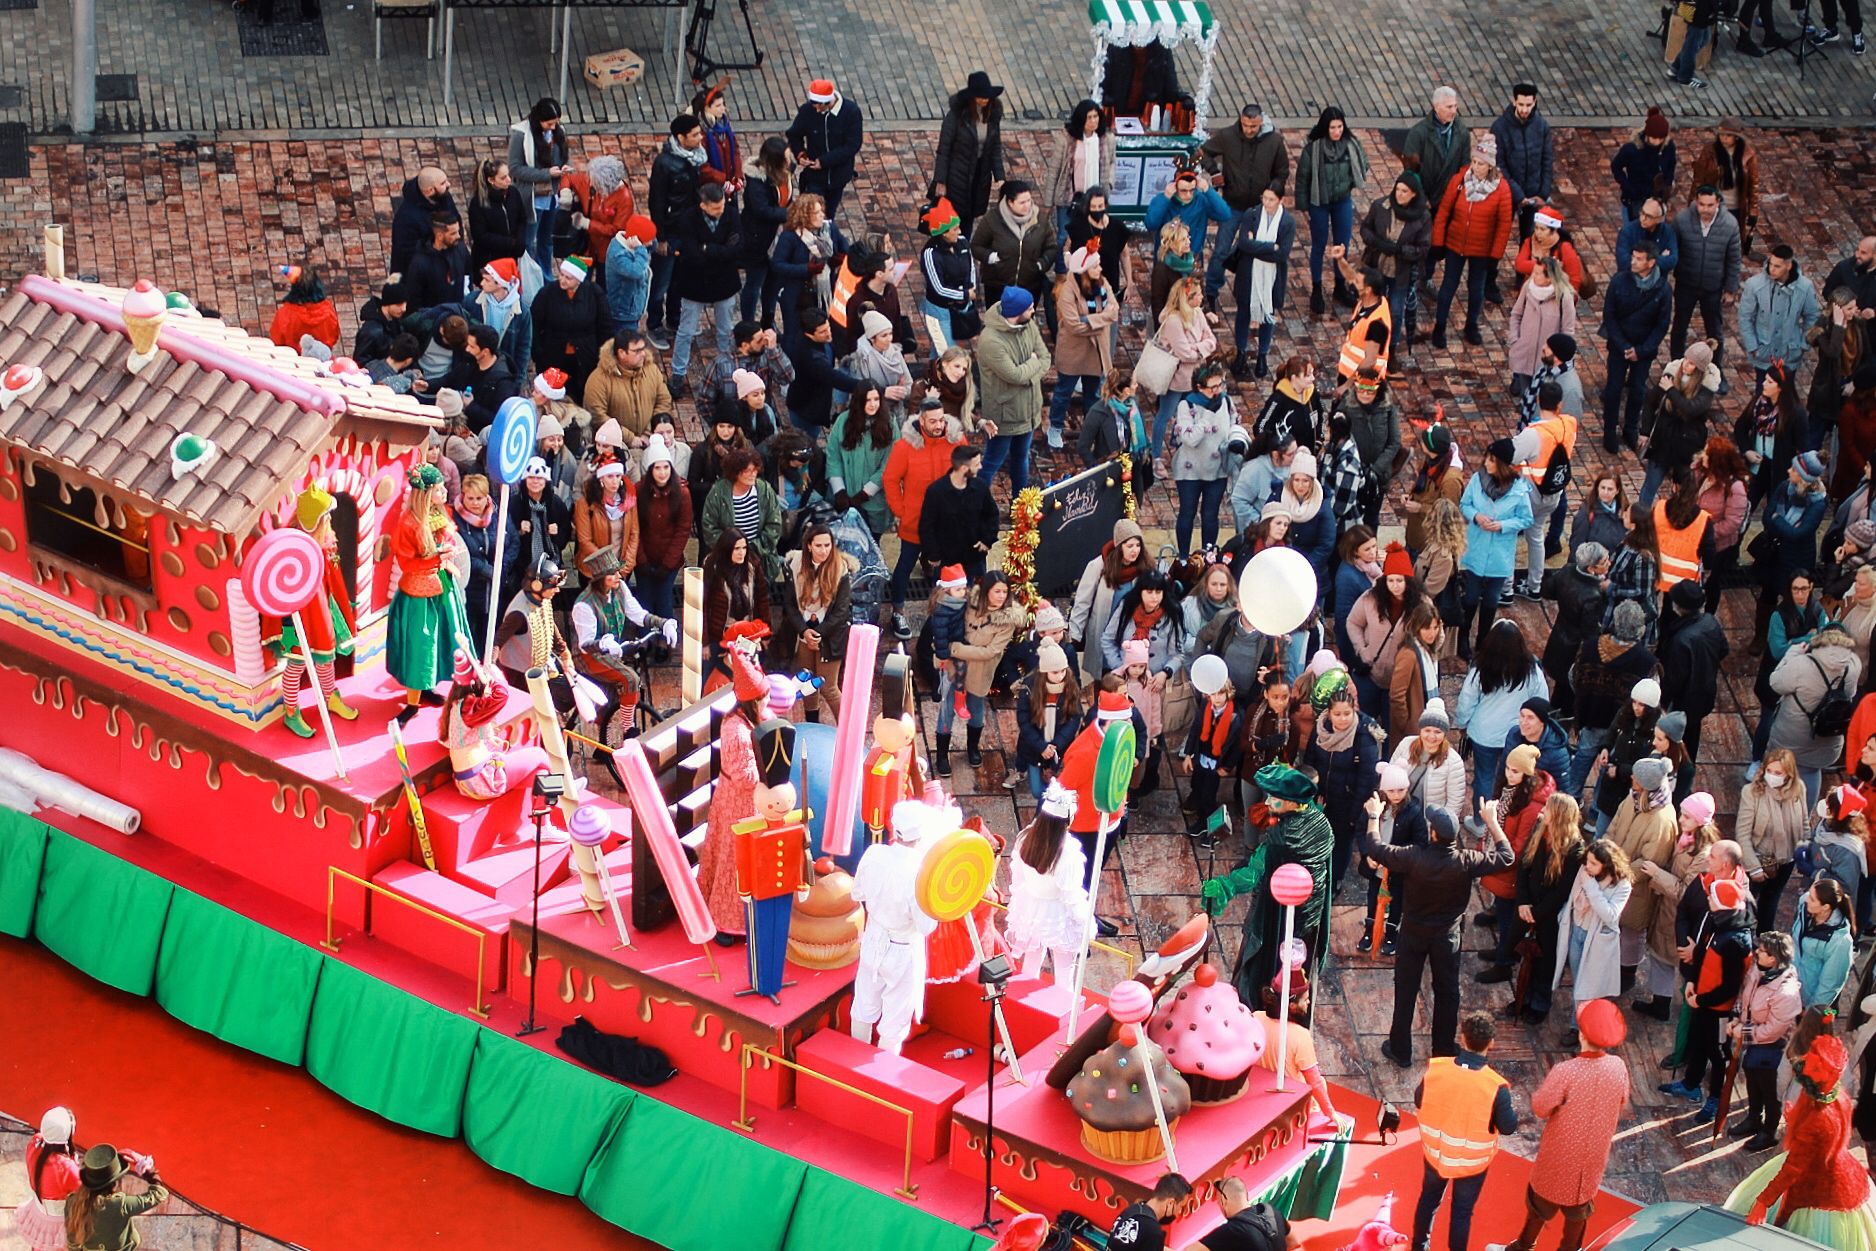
959	1053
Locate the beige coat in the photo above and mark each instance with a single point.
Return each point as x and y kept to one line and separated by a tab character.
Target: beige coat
632	399
1668	887
987	635
1644	836
1081	337
1772	823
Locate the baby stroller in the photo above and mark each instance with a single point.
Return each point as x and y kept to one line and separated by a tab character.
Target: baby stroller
868	584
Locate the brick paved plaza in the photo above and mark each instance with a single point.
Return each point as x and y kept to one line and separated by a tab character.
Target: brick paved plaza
216	214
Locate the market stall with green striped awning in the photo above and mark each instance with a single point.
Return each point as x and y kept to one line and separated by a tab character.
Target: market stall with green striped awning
1145	158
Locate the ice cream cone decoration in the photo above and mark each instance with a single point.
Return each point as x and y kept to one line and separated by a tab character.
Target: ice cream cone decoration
190	454
145	308
348	372
18	382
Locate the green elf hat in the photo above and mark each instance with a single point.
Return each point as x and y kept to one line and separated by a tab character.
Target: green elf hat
1280	781
579	268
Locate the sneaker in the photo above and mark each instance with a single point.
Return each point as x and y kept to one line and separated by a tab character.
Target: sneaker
1696	82
1725	386
1857	46
1055	438
901	628
658	339
680	387
1745	1129
1207	841
1708	1110
1494	974
1106	928
1762	1141
1365	943
1827	35
1011	780
1387	944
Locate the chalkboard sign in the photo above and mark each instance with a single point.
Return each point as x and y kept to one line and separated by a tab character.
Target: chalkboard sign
1078	516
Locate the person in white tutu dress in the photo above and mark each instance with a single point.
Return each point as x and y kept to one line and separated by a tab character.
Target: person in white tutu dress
1049	908
52	1164
1815	1187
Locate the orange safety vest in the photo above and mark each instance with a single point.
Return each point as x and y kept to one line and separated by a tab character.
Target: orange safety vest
846	282
1680	549
1550	432
1456	1117
1357	342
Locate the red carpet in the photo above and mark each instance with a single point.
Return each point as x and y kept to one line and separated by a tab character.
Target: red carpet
269	1146
254	1140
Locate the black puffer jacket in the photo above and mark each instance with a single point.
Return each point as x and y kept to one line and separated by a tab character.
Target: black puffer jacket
966	167
1579	613
1437	878
673	190
1380	242
1346	778
707	257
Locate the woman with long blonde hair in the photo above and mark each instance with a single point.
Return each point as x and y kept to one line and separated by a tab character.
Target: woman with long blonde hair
427	616
1436	566
98	1214
1545	872
1172	262
1183	331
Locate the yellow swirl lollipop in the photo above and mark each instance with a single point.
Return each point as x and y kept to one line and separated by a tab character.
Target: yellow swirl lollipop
955	873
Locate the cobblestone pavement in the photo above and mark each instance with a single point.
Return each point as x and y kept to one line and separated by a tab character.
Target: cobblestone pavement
901	61
215	219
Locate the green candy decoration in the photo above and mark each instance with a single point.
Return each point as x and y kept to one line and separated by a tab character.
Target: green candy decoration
1113	769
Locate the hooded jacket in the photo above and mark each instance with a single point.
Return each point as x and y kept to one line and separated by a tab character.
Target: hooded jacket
966	167
1642	170
630	399
410	225
1494	554
1773	317
914	463
1525	154
1802	678
1020	262
1012	359
763	214
1248	165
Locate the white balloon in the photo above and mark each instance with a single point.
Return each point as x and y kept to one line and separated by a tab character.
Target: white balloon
1277	590
1209	674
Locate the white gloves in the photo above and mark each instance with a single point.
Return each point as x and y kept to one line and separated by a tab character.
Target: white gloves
669	631
609	646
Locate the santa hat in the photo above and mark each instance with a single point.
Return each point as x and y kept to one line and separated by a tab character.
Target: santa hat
1548	215
1084	258
1600	1024
1725	895
504	272
747	383
821	91
751	682
1114	706
1058	801
952	576
576	267
551	384
1135	652
1850	801
1397	561
611	469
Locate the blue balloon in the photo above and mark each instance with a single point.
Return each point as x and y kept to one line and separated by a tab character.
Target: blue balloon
814	765
511	440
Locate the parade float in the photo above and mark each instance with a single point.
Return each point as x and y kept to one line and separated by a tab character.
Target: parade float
189	514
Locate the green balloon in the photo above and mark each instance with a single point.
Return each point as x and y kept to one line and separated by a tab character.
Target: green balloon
1113	768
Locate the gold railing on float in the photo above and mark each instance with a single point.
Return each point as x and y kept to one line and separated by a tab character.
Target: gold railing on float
1133	961
747	1123
334	872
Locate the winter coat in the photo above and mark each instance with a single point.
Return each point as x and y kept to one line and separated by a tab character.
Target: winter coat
606	216
858	471
1803	678
1598	973
1579	612
832	138
1020	262
628	283
1435	879
705	261
1709	261
1494	554
1665	242
292	320
835	619
517	341
969	517
1642	170
410	225
1440	784
487	389
1772	822
763	214
719	514
1030	739
1565	254
1248	165
1012	360
1244	241
1518	827
913	464
1346	778
1533	321
1774	316
1190	343
1081	337
1205	207
1672	902
1287	418
1422	152
1377	640
987	635
1393	239
1376	431
1525	154
1691	651
1603	686
1312	535
1791	520
1595	524
437	276
1165	643
529	166
1199	433
1707	174
1769	1009
1649	836
568	329
664	524
631	399
1553	751
375	333
673	187
1491	718
479	543
1821	963
1337	162
966	167
1676	423
496	228
1093	605
1726	504
595	532
1475	229
1060	191
950	273
1636	317
1230	638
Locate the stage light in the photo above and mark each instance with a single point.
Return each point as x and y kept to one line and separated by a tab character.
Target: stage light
1387	1120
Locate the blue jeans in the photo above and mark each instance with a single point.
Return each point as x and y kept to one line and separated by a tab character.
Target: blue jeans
1476	270
1480	595
1465	1197
1338	218
1652	477
1589	745
1010	453
1162	419
1622	397
759	292
1195	495
1697	37
902	573
1485	762
1035	782
1215	267
1065	385
658	308
690	316
654	590
541	243
947	710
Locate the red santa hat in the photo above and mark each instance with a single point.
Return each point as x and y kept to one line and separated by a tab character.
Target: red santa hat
952	576
504	272
551	384
1548	215
821	91
751	682
1725	895
1114	706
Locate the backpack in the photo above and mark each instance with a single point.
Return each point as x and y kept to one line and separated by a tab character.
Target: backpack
1557	472
1831	717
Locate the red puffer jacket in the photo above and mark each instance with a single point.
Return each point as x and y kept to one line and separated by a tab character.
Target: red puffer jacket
664	516
1470	229
1518	828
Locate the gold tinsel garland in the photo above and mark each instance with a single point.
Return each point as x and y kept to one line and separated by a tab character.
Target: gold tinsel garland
1019	553
1128	503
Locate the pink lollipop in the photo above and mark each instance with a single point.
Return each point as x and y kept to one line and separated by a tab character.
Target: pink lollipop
283	572
1291	885
1130	1002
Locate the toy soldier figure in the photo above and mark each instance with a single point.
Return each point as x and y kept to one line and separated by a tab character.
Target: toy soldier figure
772	858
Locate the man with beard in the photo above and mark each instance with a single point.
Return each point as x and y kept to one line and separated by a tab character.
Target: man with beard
970	515
1857	272
1635	316
423	195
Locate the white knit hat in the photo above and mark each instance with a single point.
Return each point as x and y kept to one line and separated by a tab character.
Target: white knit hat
875	322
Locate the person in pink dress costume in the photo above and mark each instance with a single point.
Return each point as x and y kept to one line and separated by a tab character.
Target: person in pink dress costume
1581	1103
52	1163
733	798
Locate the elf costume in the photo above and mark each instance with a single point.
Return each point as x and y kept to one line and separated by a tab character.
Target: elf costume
329	620
427	614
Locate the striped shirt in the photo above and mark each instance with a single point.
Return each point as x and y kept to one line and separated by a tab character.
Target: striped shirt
747	510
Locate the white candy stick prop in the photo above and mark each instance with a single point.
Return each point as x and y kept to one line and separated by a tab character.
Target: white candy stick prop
996	1005
495	596
319	697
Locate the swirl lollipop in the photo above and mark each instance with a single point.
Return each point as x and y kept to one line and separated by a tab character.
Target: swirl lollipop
280	575
951	883
1113	774
510	447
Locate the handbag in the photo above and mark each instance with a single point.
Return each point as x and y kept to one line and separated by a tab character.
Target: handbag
1154	371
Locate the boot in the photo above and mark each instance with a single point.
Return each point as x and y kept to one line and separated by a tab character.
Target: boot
972	736
1492	294
1628	978
1746	46
941	755
297	723
1344	294
1439	335
1316	305
339	708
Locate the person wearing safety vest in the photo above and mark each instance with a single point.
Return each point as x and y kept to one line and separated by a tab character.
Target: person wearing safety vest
846	282
1543	450
1371	328
1684	533
1464	1105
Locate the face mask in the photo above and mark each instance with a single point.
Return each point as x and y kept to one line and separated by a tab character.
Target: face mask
1774	780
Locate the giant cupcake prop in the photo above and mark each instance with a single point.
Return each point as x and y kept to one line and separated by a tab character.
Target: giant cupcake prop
1111	1096
1211	1038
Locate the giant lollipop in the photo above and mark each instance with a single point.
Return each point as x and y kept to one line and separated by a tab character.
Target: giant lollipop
1277	590
281	574
510	446
1113	773
952	879
1291	885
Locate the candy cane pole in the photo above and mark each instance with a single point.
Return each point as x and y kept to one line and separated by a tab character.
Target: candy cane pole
1131	1036
495	591
1291	885
1087	942
319	701
693	635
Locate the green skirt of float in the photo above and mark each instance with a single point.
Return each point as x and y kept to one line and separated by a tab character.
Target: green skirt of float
420	639
1854	1230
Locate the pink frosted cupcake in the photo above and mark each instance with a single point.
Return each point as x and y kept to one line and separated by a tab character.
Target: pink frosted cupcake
1209	1036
